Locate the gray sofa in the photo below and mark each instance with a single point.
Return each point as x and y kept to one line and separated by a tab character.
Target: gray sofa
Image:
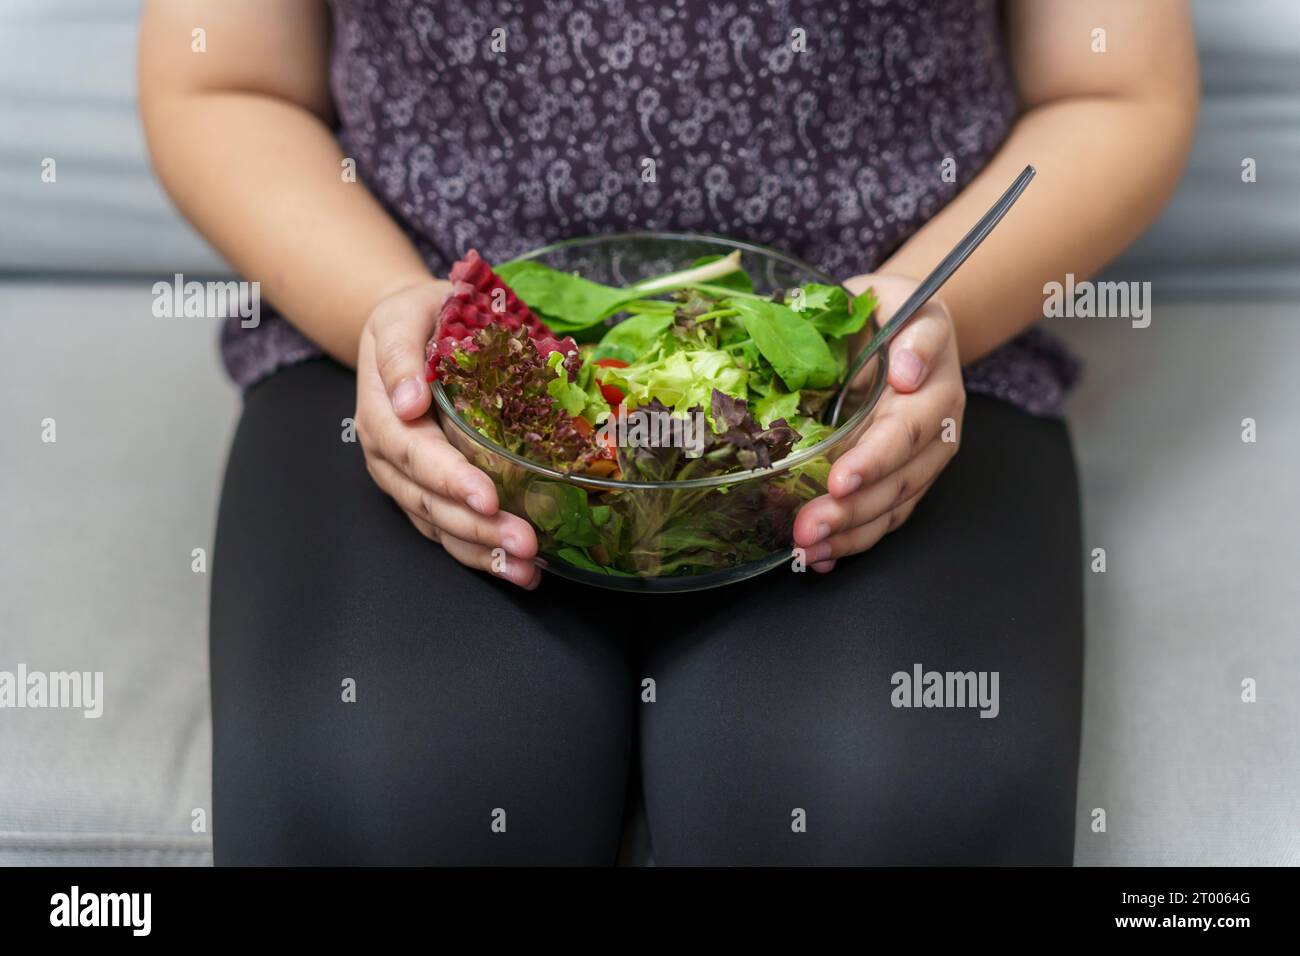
98	528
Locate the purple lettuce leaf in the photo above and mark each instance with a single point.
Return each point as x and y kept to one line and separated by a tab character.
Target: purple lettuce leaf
501	389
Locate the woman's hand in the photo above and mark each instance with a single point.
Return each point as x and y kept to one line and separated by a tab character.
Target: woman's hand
874	486
447	499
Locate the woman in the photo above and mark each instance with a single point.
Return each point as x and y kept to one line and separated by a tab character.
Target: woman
378	698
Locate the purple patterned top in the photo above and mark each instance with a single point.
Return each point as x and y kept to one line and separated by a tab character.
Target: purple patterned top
819	127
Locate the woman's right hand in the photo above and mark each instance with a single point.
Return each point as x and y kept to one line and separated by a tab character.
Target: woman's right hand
445	497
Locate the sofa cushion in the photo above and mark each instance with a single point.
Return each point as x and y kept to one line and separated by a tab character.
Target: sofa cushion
1200	531
95	572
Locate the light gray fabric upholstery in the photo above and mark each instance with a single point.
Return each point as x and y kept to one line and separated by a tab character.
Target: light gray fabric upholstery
95	571
1222	235
1201	588
67	93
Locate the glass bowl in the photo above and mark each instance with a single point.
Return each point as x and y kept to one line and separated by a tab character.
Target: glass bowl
743	521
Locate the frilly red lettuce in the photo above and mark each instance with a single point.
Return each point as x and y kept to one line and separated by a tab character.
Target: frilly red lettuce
500	386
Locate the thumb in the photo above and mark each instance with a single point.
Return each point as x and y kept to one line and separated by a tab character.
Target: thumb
918	347
401	328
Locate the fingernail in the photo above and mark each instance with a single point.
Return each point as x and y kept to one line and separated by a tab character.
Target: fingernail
533	586
907	367
819	552
511	544
850	483
476	502
823	530
824	566
406	395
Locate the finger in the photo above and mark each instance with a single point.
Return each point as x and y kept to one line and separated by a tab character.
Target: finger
421	452
863	537
422	525
918	348
850	541
861	507
523	573
898	517
897	436
401	328
860	283
500	530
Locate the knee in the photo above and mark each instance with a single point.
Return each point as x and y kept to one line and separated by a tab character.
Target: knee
886	799
412	787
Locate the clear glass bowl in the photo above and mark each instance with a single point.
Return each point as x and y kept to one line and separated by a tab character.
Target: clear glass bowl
748	516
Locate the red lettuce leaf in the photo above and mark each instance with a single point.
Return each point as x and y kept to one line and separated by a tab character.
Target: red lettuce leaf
499	385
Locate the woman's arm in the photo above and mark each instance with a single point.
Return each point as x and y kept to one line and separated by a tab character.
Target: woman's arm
1109	134
240	137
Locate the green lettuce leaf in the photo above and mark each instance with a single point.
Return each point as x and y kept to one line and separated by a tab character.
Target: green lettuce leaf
580	395
638	333
680	380
565	302
829	309
570	303
793	346
863	306
776	405
563	511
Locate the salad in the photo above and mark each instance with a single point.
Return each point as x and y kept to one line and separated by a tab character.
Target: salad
686	375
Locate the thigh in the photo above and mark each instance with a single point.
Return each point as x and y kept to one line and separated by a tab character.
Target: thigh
475	703
782	695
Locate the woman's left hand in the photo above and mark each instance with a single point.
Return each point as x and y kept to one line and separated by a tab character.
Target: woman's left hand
914	433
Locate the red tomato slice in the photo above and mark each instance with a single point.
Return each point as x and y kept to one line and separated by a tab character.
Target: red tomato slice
612	393
582	425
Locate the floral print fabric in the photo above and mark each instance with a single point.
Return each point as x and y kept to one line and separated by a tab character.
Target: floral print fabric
824	129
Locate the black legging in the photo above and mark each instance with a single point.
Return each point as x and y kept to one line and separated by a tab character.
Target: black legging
773	696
